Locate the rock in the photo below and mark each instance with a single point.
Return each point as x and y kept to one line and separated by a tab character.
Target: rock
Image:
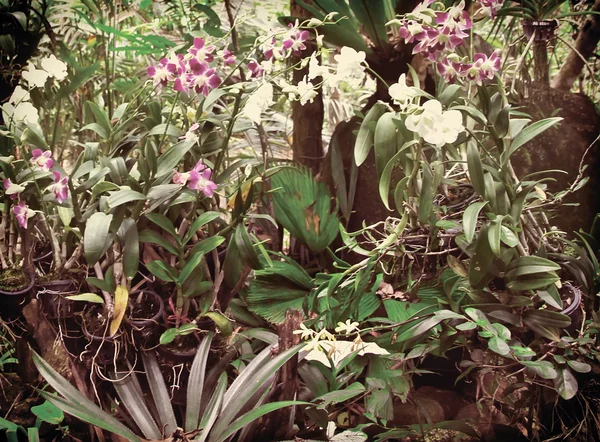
450	401
486	417
419	410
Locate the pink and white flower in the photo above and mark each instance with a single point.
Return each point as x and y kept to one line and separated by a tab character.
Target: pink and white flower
201	52
23	213
295	38
200	180
202	78
42	159
166	70
60	188
490	7
191	134
181	177
228	57
12	189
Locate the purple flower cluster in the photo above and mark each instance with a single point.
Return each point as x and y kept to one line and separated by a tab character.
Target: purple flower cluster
41	160
192	71
437	34
199	179
482	68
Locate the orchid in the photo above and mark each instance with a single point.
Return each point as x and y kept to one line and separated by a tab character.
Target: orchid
191	135
306	91
401	93
42	159
202	79
35	77
181	177
295	38
434	125
19	95
54	67
23	112
60	188
23	213
350	62
201	52
12	189
201	181
228	57
490	7
337	351
258	102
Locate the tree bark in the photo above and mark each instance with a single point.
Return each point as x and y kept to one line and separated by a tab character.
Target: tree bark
307	142
585	45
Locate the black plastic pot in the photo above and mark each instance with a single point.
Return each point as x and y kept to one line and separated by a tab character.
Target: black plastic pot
53	293
152	298
11	302
573	310
543	29
104	348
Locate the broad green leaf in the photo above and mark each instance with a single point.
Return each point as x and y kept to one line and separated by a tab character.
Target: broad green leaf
475	168
198	223
565	384
165	223
544	369
96	236
509	237
171	158
195	386
366	133
207	244
579	367
499	345
427	194
124	196
160	393
470	217
191	264
385	141
342	395
128	235
47	412
528	134
494	233
155	238
76	404
551	296
245	247
386	176
162	271
479	268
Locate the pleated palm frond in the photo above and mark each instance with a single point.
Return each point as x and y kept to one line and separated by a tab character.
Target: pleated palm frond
276	289
303	207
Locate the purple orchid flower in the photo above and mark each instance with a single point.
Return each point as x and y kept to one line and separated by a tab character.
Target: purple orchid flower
23	213
60	188
42	159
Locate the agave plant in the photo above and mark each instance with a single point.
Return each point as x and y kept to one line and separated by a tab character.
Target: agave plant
218	418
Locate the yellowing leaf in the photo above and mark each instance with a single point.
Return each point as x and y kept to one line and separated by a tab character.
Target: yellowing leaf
121	298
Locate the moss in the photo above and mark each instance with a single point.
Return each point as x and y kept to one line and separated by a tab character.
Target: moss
443	435
12	280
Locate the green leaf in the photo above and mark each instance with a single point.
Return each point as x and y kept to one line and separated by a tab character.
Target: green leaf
198	223
509	237
366	133
160	393
162	271
386	176
499	345
124	196
96	236
76	404
579	367
207	245
551	297
154	237
193	262
128	235
470	219
419	328
87	297
426	196
49	413
565	384
540	281
165	223
249	417
527	134
475	168
245	247
385	141
479	268
195	386
338	396
544	369
172	156
494	233
101	118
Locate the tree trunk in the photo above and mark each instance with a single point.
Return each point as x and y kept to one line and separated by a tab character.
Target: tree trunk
585	45
307	141
541	72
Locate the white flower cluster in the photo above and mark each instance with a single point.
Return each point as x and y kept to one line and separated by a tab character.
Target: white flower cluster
19	107
323	347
